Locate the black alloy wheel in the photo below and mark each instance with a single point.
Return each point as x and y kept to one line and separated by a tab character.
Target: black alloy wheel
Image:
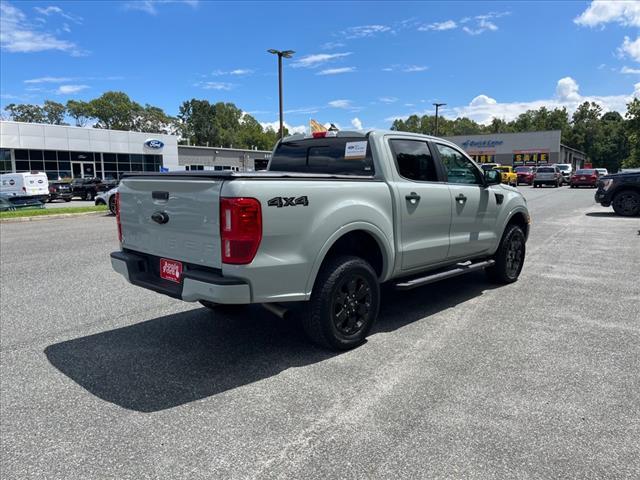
509	258
351	304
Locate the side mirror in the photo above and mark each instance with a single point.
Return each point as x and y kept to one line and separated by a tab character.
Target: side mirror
492	177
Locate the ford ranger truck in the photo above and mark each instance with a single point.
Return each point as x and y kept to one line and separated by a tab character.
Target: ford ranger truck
331	219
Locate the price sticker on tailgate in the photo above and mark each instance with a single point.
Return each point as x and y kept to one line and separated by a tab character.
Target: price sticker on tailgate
170	270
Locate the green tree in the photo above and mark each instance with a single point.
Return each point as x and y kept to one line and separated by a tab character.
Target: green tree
54	112
153	120
632	129
26	112
115	110
80	111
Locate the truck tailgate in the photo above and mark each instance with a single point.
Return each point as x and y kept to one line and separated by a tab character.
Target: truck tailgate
187	216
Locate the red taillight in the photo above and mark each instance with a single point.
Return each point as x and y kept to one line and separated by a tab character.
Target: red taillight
240	229
593	177
117	200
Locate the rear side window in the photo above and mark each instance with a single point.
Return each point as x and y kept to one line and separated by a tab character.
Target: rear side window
333	155
413	160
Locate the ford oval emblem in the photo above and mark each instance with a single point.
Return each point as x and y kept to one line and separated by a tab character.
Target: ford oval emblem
154	143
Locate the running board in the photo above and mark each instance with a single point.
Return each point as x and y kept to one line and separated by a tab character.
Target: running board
459	269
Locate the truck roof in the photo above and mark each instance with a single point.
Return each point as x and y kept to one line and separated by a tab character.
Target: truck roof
363	134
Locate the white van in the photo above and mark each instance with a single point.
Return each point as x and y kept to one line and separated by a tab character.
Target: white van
25	186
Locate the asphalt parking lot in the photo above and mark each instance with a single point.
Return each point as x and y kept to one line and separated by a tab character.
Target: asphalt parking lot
462	379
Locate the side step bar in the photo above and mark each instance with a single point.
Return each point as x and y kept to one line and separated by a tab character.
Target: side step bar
459	269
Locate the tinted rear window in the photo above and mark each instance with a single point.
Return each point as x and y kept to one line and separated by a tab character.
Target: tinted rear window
523	169
585	172
545	170
334	155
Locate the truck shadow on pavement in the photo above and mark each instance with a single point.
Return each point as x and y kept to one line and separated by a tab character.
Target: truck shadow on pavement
183	357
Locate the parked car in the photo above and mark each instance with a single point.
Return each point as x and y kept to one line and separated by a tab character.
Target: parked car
108	198
622	191
566	169
525	175
585	177
602	171
88	188
509	176
331	219
489	166
25	187
549	175
60	191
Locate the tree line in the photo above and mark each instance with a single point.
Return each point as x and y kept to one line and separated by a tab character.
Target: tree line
609	139
198	122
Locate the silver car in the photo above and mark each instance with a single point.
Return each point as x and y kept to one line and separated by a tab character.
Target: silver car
548	175
108	198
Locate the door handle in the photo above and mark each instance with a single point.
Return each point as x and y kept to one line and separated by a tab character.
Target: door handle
461	198
413	198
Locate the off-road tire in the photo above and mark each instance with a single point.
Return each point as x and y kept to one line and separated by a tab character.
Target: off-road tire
332	297
112	204
509	257
626	203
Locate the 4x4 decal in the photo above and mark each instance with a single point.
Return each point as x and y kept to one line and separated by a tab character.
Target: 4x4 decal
288	202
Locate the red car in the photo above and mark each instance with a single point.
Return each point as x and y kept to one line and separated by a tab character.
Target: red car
585	177
525	175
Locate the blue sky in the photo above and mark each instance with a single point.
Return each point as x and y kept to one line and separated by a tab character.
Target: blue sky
357	64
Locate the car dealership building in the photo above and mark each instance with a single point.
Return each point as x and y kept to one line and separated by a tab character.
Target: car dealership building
528	148
76	152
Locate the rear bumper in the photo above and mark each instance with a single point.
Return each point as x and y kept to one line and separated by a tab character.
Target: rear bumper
602	198
197	283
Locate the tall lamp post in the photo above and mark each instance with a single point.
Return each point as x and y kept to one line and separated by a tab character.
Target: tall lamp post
437	105
280	54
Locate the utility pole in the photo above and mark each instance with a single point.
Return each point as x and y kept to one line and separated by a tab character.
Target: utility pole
281	54
437	105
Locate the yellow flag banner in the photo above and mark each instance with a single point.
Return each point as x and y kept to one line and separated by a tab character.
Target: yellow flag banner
316	127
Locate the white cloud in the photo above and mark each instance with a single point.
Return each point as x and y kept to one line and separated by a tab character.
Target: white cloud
19	34
336	71
625	13
317	59
484	108
70	89
215	85
482	100
53	10
332	45
630	48
48	80
340	103
630	71
388	99
483	23
439	26
237	71
357	123
303	110
363	31
151	6
275	126
568	89
414	68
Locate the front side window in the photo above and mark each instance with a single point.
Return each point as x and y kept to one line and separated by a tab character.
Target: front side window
459	168
413	160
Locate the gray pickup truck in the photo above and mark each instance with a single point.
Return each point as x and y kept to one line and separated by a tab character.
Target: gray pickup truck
331	219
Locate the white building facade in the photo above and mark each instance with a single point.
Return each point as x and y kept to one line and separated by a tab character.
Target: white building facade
75	152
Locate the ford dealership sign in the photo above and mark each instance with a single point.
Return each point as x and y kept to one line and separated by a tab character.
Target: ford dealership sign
154	143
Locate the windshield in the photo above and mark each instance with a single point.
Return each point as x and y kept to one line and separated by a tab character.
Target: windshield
502	169
585	172
545	170
564	168
523	169
333	155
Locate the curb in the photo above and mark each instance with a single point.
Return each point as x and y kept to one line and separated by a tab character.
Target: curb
50	217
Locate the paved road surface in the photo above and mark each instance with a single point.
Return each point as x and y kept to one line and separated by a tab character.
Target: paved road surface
461	379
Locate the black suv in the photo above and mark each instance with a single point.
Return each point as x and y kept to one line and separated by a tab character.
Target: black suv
60	191
622	191
88	188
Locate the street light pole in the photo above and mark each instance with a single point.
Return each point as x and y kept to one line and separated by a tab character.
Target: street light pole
437	105
280	54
